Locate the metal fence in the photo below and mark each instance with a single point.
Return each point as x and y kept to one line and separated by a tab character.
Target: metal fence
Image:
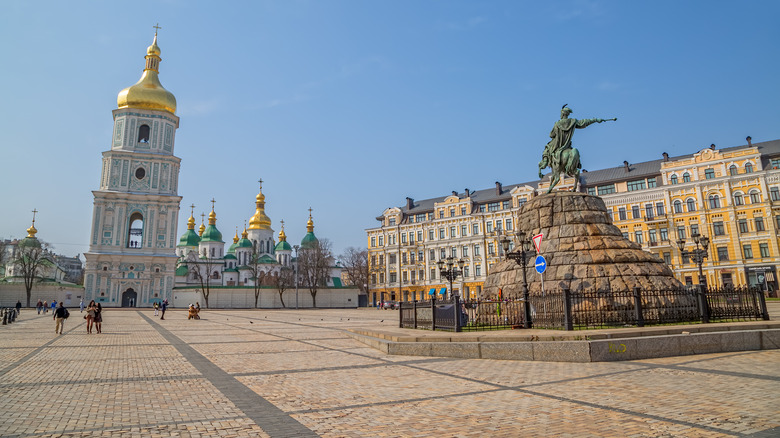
567	310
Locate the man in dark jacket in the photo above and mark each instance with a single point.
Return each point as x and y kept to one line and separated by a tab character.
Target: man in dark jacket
59	316
18	307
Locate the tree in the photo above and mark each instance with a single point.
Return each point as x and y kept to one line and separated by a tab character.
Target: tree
355	263
284	280
259	276
29	260
314	263
201	269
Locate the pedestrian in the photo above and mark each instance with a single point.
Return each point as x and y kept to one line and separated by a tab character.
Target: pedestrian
53	305
38	306
164	306
18	307
60	315
81	305
90	316
45	307
99	318
156	308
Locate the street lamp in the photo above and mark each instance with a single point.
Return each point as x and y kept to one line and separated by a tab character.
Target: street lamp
697	255
295	247
451	271
520	258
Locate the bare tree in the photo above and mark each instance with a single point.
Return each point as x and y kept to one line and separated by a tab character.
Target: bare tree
202	269
259	276
314	263
283	280
355	263
30	258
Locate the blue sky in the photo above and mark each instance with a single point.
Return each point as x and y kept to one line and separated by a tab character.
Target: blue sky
350	106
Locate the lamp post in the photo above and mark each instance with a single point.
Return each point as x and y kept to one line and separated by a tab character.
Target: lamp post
697	255
295	247
521	259
451	271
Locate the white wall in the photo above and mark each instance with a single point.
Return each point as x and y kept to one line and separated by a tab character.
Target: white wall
10	293
244	298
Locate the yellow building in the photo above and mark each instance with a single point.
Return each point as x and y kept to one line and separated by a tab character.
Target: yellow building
731	195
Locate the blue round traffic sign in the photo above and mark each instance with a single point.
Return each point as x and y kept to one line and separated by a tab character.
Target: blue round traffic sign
540	264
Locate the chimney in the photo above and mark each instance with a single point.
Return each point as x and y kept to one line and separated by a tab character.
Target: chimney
712	146
454	193
666	156
499	187
749	140
625	165
409	203
467	193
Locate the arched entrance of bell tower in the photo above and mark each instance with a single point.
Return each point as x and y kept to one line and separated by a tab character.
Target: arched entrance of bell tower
129	298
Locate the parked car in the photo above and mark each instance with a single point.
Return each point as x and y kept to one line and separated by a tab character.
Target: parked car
390	305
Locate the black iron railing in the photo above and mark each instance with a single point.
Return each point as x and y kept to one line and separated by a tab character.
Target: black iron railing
568	310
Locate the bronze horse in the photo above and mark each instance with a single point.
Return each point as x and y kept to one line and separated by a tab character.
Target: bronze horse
569	165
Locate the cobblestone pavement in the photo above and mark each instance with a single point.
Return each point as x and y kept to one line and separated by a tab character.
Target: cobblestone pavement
288	373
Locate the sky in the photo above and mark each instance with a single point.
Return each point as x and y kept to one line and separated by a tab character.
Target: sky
349	106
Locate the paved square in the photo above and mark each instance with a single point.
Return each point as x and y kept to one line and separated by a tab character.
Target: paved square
288	373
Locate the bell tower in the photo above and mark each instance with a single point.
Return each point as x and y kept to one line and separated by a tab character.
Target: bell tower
132	247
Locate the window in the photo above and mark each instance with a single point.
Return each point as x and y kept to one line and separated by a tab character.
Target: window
143	134
622	213
482	208
499	225
433	274
442	254
391	259
733	170
403	237
393	277
404	276
659	209
748	168
592	191
636	185
755	197
381	277
475	229
717	228
714	201
441	233
774	193
638	237
686	177
606	190
505	205
492	206
649	211
651	234
463	211
489	227
678	206
466	271
664	233
723	253
777	221
747	250
674	179
136	231
432	255
694	229
419	236
775	163
454	252
690	204
391	221
452	232
650	183
508	224
625	235
373	278
491	249
381	259
476	250
635	212
709	173
681	232
373	241
465	251
738	199
742	224
478	270
668	258
463	230
763	249
759	224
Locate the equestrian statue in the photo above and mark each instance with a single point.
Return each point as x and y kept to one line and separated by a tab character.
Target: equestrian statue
559	155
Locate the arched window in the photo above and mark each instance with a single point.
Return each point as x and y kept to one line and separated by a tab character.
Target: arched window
691	204
755	197
678	206
714	201
143	134
748	168
135	233
686	177
215	275
738	199
674	179
733	170
212	252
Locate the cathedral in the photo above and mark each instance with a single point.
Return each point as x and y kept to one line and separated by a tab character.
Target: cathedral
134	258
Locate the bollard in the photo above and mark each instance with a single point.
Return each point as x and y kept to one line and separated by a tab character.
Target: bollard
704	308
568	324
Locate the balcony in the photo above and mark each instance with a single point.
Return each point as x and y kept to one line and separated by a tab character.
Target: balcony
661	218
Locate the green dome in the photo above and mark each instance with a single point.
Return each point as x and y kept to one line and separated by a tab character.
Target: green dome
245	243
182	270
283	246
211	234
30	242
232	249
309	240
189	238
229	256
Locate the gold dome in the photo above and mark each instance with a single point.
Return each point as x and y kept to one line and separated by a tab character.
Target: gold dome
235	238
148	92
260	221
31	231
282	234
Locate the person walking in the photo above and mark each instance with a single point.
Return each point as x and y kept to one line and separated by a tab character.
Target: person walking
60	314
90	316
53	305
99	318
164	306
39	306
156	308
18	307
45	307
81	305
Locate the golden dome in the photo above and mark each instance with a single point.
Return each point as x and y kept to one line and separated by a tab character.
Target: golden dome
202	227
212	217
148	92
235	238
245	234
260	221
310	224
31	231
282	235
191	223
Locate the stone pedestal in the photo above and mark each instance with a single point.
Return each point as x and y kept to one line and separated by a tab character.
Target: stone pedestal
584	251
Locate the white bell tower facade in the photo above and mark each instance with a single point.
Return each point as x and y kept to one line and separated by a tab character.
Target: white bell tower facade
131	260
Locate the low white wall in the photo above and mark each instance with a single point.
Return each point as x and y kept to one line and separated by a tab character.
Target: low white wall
244	298
10	293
